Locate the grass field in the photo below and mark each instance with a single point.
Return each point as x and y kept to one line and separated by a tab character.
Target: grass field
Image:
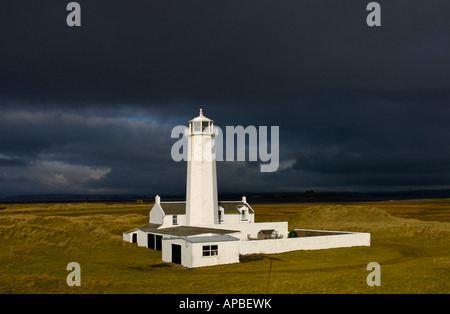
410	240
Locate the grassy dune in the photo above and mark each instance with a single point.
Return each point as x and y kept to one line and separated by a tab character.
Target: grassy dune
410	240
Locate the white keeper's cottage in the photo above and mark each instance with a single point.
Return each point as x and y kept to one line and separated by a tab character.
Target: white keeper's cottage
202	231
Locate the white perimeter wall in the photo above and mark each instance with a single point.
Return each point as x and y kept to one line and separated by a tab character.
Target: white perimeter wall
273	246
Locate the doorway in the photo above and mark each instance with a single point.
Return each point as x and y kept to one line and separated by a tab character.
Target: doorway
158	242
151	241
176	253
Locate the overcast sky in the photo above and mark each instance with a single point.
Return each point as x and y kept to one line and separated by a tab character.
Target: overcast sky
90	109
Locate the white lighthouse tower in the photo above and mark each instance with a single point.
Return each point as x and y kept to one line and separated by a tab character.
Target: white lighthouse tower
201	185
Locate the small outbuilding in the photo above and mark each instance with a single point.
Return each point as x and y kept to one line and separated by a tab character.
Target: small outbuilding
130	235
199	251
267	234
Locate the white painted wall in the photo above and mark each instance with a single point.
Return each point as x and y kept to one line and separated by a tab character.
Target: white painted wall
128	236
248	217
186	251
230	218
142	238
192	253
168	221
156	214
237	218
273	246
228	253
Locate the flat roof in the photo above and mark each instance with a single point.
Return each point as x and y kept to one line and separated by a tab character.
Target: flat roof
130	231
184	231
149	227
207	239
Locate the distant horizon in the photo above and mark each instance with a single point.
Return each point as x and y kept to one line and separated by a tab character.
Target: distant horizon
291	197
319	191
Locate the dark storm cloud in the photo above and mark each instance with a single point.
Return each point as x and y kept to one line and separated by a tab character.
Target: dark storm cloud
58	151
91	108
7	162
226	51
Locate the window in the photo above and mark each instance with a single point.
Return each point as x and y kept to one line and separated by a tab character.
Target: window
197	126
205	127
174	220
210	250
244	214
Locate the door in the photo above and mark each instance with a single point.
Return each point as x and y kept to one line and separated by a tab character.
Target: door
151	241
176	253
158	242
134	239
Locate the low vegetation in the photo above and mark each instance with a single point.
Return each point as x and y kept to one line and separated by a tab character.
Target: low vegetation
410	240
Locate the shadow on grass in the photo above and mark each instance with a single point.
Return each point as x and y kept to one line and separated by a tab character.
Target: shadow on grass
256	257
153	267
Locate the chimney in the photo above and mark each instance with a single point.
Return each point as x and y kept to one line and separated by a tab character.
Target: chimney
244	199
157	199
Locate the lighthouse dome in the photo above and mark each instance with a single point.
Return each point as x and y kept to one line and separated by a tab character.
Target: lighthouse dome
201	124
